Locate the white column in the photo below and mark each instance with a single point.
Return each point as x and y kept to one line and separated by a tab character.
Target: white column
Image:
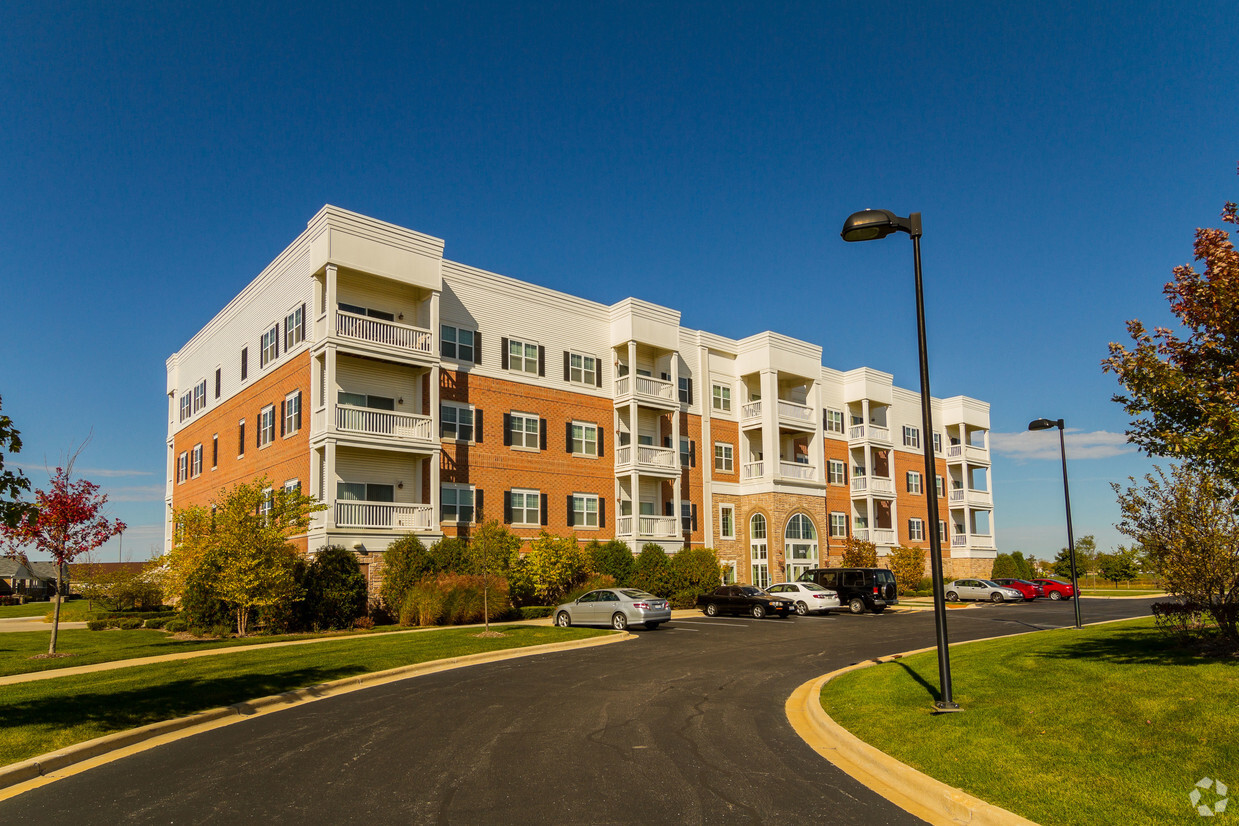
331	276
707	460
329	495
770	422
817	445
678	485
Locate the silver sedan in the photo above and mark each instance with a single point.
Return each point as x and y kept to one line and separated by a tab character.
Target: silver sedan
981	589
810	598
616	607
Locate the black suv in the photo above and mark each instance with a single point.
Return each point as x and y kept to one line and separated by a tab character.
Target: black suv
860	589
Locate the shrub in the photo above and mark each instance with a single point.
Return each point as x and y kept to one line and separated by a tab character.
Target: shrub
591	584
535	611
452	599
98	625
155	622
450	555
615	559
520	581
696	571
858	553
335	589
127	623
176	625
363	623
1186	621
556	564
201	606
907	563
685	599
653	570
1005	568
405	563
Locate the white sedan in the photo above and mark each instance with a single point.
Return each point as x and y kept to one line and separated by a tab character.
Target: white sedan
810	598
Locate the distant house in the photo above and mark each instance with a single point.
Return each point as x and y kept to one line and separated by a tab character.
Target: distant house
98	572
35	580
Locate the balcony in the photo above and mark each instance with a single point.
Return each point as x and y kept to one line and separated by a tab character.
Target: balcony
975	540
877	485
386	334
799	416
752	470
967	453
750	414
870	433
797	471
977	498
369	426
384	516
648	527
883	536
646	390
662	461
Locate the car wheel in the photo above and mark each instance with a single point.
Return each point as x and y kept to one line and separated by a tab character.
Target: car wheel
711	609
618	621
1055	595
652	626
759	611
563	620
801	608
951	596
857	605
995	597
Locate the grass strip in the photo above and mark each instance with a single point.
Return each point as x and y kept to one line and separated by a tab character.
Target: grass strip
46	715
1110	724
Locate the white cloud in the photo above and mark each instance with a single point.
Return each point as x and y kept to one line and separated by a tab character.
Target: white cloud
83	473
1043	444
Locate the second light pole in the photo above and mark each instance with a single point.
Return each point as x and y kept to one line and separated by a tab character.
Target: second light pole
1046	424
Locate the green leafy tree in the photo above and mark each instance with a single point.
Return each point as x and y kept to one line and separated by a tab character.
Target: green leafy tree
489	553
1118	565
653	570
1183	392
1004	567
1024	568
694	571
859	553
405	563
614	559
907	563
556	564
335	589
1187	522
1086	558
12	483
450	555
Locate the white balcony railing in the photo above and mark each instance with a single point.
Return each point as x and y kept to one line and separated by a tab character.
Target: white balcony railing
645	386
352	419
795	470
384	515
958	541
968	452
751	410
981	498
388	333
653	527
973	540
872	432
860	534
799	413
883	536
648	456
872	484
752	470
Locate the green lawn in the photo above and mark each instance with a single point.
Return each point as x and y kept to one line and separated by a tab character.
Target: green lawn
30	609
1119	592
1110	724
46	715
72	611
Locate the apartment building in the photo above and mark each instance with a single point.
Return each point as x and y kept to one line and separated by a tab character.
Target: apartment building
413	394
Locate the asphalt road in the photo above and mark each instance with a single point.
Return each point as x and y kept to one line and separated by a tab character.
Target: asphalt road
684	725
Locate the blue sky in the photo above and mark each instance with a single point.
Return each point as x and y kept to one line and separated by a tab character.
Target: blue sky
702	156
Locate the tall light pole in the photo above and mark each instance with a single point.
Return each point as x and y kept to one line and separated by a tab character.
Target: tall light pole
1046	424
868	225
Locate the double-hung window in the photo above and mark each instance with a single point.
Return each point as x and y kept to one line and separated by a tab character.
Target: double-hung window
727	521
526	506
721	398
200	395
916	530
524	430
456	343
834	421
937	443
911	436
265	504
455	422
584	510
686	453
914	482
940	485
294	328
187	409
182	468
292	413
838	524
457	503
269	346
584	439
582	369
836	472
724	458
195	461
686	390
266	425
522	356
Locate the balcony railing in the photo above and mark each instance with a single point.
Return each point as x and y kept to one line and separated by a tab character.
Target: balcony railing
969	452
352	419
388	333
645	387
753	470
384	516
883	536
872	432
795	470
799	413
860	534
648	456
872	484
751	410
655	527
975	540
981	498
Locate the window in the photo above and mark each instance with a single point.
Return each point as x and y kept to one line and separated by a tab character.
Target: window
245	358
688	516
911	436
940	485
727	521
834	421
721	398
523	357
292	413
686	390
182	468
195	461
187	406
839	525
836	472
524	430
724	458
687	457
366	311
294	328
363	492
800	527
758	551
266	426
937	443
241	439
455	422
456	343
526	507
457	503
265	504
218	381
269	346
364	400
584	439
914	481
916	530
584	510
941	530
581	369
200	395
215	451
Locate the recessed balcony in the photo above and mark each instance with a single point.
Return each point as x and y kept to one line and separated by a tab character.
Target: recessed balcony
870	433
978	498
645	390
367	425
797	471
967	453
973	540
384	516
752	470
799	416
648	527
390	335
876	485
659	461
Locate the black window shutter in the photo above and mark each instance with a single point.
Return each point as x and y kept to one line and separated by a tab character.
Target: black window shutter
276	348
571	513
567	366
303	321
602	512
477	425
258	431
283	413
694	518
598	373
692	454
507	507
477	506
241	440
477	348
299	409
507	431
690	391
217	382
541	360
568	437
601	443
503	353
544	508
542	434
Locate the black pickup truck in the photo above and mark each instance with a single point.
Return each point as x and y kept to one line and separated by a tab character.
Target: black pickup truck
743	599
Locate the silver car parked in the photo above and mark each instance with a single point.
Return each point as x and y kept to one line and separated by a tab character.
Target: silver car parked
981	589
616	607
810	598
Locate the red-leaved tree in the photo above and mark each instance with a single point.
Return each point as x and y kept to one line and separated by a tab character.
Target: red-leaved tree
67	523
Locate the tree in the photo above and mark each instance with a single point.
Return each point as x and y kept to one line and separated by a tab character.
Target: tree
489	553
1024	568
243	541
614	559
67	521
859	553
1004	567
1086	558
1119	565
1187	522
335	589
556	563
694	571
12	482
450	555
653	570
907	563
405	563
1183	393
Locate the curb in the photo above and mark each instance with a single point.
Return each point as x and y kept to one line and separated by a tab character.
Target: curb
44	768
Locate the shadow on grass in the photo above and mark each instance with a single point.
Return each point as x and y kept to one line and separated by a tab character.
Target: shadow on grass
934	693
1137	646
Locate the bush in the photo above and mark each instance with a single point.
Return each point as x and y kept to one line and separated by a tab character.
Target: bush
653	570
450	555
685	598
176	625
127	623
155	622
535	611
202	608
520	581
1186	621
335	589
857	553
907	563
363	623
695	571
405	563
614	559
591	584
98	625
557	564
452	599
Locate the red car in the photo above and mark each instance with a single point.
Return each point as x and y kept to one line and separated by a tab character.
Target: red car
1055	589
1030	590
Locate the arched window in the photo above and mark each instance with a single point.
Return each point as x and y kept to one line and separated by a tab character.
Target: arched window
758	551
801	527
800	541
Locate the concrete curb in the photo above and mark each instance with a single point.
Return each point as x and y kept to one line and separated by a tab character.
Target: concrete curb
37	771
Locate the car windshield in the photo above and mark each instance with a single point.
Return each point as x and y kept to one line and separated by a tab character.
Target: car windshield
990	583
633	593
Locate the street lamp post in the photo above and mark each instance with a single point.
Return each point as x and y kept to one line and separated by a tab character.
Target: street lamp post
868	225
1046	424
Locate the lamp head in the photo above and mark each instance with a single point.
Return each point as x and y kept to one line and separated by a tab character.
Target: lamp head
1045	424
